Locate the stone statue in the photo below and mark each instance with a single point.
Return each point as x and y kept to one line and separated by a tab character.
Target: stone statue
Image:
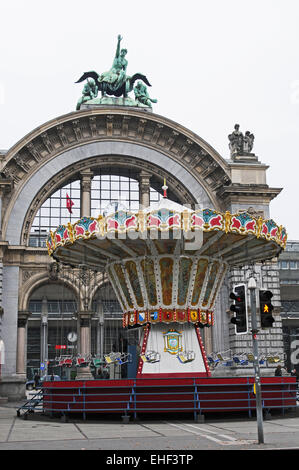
240	144
115	81
142	96
236	140
248	142
90	91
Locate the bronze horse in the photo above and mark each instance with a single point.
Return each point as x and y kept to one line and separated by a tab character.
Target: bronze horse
106	88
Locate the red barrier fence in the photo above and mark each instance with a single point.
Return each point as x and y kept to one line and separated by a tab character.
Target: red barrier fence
165	395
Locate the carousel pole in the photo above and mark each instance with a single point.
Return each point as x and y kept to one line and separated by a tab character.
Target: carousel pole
254	331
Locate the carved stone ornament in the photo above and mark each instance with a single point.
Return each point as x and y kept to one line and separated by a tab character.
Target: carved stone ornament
53	271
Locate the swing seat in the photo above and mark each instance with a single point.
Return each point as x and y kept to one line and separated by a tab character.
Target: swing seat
108	359
144	358
185	357
65	361
124	358
250	358
114	358
242	362
273	359
97	362
151	356
220	357
225	358
82	361
212	361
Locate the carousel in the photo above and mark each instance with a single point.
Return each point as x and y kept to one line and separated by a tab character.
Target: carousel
166	264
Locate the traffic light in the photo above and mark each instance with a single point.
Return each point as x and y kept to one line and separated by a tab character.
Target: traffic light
266	308
239	308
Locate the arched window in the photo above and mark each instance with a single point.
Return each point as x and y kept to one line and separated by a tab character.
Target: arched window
105	189
54	212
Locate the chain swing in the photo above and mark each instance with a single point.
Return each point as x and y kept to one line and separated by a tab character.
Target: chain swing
64	360
151	355
187	355
84	276
97	358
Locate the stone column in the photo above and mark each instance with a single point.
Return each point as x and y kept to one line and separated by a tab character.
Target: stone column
86	177
83	373
144	189
22	342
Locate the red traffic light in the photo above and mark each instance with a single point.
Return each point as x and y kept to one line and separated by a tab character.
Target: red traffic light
239	308
266	295
236	297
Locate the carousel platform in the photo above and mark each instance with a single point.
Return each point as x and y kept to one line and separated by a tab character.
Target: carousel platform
196	395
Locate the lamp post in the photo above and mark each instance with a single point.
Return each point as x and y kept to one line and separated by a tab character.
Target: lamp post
254	331
44	335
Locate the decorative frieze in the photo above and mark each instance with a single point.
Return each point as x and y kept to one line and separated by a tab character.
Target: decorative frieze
77	129
22	163
47	142
62	135
131	126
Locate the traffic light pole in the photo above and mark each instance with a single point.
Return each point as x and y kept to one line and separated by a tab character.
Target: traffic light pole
254	331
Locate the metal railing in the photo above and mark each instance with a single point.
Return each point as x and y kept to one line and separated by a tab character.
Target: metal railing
165	396
34	404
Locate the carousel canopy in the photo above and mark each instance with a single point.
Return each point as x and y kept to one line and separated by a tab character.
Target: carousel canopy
167	256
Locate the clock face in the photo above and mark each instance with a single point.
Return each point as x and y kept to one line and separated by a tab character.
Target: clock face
72	336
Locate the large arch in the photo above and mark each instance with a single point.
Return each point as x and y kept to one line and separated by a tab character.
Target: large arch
38	280
120	136
72	171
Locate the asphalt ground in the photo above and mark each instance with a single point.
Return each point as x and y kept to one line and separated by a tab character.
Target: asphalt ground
150	438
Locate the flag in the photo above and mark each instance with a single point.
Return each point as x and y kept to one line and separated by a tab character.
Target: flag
69	203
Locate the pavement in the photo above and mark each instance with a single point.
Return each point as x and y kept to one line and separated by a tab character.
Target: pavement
109	433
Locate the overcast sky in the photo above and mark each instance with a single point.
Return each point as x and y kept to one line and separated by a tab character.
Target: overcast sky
211	64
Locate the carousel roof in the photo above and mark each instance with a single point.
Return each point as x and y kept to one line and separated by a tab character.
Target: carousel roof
167	204
167	228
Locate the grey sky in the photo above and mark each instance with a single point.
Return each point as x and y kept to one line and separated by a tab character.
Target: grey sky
211	64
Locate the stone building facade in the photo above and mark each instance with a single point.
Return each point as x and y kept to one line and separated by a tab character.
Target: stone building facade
289	291
125	141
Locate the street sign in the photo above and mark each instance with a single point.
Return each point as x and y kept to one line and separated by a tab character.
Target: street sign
42	366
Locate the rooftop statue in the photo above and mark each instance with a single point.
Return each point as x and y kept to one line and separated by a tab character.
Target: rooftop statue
90	91
240	144
115	81
141	94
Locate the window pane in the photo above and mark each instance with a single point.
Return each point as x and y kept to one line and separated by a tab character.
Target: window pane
105	188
